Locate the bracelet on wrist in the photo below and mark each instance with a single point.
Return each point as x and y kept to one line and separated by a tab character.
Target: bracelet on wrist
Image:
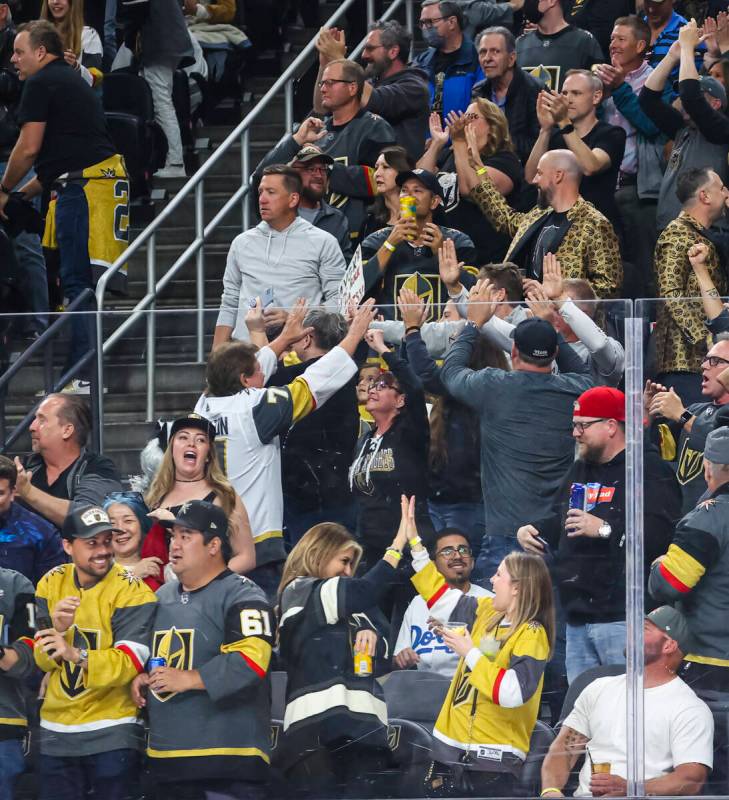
412	328
396	554
416	540
550	790
388	246
482	171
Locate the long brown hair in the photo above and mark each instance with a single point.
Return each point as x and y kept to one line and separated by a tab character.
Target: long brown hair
164	480
498	137
534	600
485	354
398	158
316	548
70	27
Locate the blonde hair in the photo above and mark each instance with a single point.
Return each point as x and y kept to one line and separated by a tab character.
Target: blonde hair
498	137
164	480
534	600
70	27
316	548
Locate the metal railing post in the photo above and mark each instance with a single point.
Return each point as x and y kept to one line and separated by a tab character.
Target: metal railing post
289	104
245	175
100	369
200	268
151	327
410	25
370	12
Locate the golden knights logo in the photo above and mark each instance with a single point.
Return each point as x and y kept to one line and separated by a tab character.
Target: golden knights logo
427	287
465	692
690	464
72	675
175	646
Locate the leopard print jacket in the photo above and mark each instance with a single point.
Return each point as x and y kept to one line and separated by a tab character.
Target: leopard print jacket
589	249
681	336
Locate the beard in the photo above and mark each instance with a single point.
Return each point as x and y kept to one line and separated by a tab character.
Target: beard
543	198
313	195
376	69
591	453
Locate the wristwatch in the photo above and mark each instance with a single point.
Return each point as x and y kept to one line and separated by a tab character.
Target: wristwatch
83	655
604	530
567	129
686	415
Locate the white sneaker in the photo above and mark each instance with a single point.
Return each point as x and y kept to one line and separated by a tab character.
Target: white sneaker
171	171
77	386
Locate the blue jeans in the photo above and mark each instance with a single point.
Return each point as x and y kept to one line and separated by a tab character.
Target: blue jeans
113	775
467	517
594	644
29	252
12	764
72	235
494	550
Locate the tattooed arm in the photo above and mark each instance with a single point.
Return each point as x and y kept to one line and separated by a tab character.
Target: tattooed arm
560	760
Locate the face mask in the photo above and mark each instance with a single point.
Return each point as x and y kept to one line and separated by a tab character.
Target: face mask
531	11
433	38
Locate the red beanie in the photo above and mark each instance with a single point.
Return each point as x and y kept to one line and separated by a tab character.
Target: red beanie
601	401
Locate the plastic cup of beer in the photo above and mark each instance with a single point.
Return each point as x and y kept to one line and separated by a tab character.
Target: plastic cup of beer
459	628
600	767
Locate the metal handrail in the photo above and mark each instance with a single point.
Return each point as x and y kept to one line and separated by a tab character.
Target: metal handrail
241	133
40	345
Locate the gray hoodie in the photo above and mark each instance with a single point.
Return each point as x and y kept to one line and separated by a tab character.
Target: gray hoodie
300	261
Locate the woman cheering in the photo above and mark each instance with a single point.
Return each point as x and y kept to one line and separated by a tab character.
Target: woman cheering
481	737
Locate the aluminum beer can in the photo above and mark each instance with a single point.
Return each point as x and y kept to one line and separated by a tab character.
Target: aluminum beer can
362	664
578	496
408	207
155	662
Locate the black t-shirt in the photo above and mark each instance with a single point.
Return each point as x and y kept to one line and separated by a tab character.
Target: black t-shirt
75	136
464	215
444	60
544	242
598	17
600	189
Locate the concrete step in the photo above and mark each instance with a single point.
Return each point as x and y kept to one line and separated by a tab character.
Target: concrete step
166	255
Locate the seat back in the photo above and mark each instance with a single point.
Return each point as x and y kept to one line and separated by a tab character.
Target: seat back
585	679
130	135
128	93
529	781
278	694
410	745
415	695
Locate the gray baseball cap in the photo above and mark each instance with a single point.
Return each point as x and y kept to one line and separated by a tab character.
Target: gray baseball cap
673	623
716	448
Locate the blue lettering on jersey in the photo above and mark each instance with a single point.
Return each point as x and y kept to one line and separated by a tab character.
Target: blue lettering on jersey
423	641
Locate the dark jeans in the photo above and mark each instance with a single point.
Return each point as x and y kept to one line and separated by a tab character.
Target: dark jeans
453	780
12	765
639	226
268	577
466	517
113	775
494	550
72	235
297	522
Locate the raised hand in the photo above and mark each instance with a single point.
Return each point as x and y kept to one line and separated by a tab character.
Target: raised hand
474	156
438	136
457	122
412	308
293	329
311	130
449	266
481	302
544	111
552	276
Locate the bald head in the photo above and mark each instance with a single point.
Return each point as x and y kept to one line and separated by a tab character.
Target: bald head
563	161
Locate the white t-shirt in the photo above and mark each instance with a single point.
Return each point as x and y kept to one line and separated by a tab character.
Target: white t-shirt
679	728
435	655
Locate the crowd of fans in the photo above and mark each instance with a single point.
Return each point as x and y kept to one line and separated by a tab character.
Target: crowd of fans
411	439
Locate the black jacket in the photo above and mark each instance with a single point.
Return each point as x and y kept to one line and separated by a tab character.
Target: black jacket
459	479
520	109
403	100
317	451
590	573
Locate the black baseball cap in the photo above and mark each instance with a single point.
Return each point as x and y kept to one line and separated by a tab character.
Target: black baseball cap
536	338
193	421
428	179
86	522
199	515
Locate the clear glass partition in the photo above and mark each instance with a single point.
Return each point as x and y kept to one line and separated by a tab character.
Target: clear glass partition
510	429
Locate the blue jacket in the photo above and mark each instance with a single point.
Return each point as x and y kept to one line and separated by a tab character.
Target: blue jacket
29	544
460	77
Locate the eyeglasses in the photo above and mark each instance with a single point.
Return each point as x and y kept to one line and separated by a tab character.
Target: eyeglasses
329	82
383	383
430	23
714	361
580	426
461	549
322	169
368	48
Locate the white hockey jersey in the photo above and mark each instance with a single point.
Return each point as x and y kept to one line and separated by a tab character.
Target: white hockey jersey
248	425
